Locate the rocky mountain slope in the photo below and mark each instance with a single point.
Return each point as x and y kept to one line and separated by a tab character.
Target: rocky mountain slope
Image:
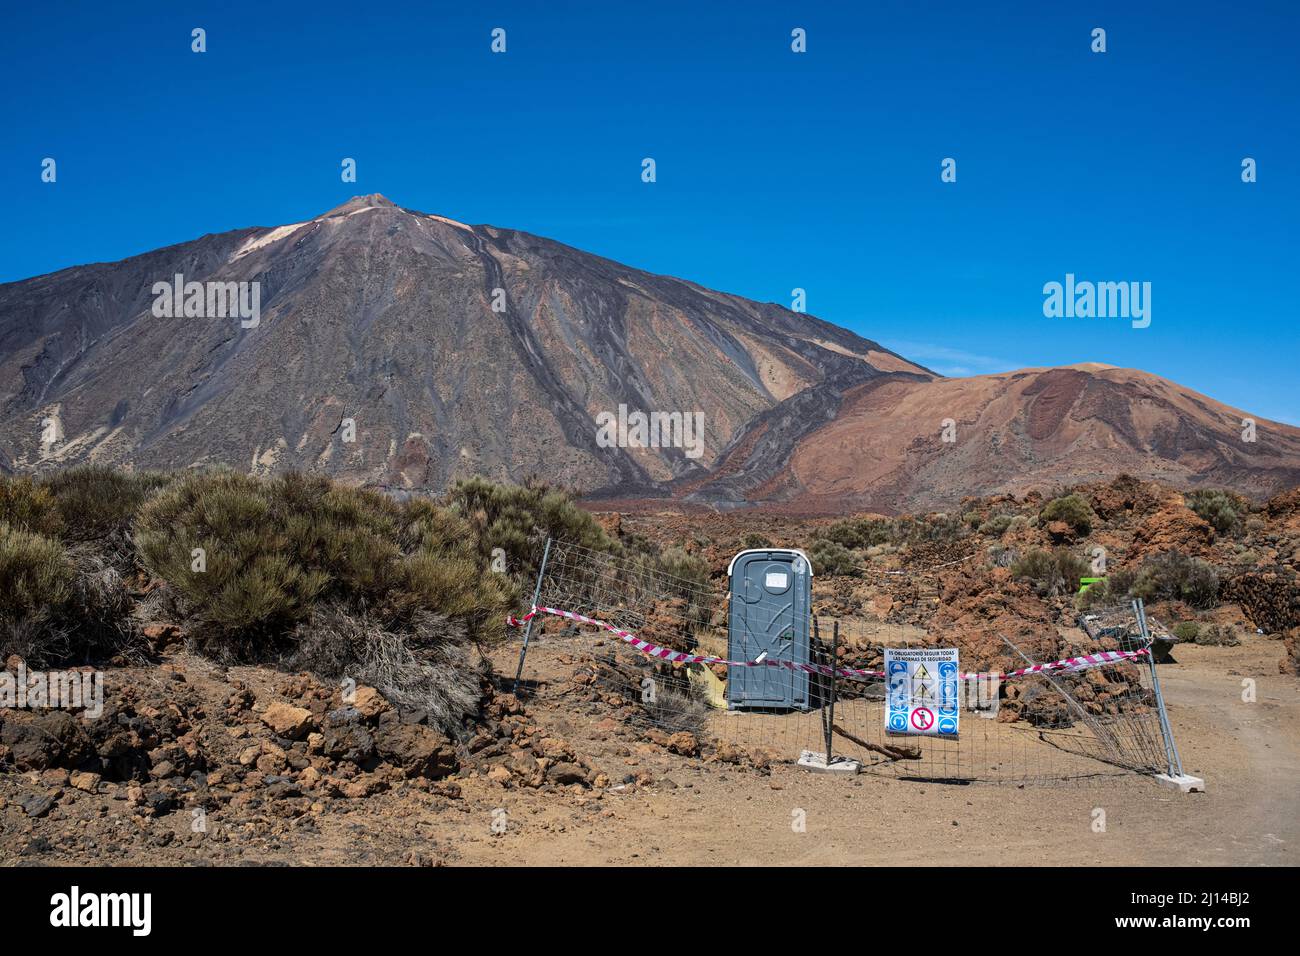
396	348
454	350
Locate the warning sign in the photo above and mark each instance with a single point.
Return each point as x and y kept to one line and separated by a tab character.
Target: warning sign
922	691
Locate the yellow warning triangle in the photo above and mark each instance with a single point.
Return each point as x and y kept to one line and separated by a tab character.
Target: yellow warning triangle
923	692
920	673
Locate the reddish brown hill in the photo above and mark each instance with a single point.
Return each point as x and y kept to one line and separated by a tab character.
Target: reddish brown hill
1032	428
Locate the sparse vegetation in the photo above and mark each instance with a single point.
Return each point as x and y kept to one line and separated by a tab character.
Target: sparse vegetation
1222	509
1073	509
1173	576
996	525
1052	573
28	506
841	548
519	519
1218	635
59	605
37	576
272	550
832	558
856	533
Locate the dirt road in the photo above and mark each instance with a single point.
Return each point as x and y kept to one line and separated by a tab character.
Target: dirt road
679	810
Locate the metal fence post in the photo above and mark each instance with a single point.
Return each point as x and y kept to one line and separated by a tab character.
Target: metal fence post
830	722
1166	731
818	654
528	629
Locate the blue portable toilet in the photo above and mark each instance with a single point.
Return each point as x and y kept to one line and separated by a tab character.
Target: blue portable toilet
771	612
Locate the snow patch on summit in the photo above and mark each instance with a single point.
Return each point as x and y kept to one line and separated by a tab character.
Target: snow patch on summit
275	235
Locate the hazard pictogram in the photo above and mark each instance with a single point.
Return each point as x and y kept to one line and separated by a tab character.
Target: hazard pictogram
921	691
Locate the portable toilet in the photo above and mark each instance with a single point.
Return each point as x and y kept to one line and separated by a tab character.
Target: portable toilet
771	614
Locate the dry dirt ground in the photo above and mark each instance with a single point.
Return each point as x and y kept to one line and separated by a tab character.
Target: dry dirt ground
660	808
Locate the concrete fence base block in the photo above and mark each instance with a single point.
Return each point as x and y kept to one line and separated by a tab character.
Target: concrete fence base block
816	762
1182	782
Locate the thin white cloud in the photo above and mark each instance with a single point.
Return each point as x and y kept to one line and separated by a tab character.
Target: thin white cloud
952	362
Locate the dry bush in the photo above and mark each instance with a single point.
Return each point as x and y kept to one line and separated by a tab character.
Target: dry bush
60	606
1174	576
36	573
679	707
1218	635
27	506
1052	573
829	558
430	666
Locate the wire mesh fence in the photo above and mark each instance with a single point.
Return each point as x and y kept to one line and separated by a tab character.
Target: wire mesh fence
621	636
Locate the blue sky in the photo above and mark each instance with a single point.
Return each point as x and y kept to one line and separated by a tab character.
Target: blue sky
775	170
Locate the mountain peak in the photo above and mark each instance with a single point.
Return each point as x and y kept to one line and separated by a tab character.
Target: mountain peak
357	203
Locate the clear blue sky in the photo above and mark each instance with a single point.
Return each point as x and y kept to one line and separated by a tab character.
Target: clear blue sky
775	170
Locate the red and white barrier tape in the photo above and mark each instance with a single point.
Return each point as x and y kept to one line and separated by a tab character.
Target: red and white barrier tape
678	657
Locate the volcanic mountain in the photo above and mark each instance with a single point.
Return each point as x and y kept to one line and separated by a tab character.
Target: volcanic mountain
402	349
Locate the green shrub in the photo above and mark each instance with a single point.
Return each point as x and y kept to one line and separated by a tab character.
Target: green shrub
95	501
59	606
276	549
688	578
926	529
1173	576
36	573
692	570
1222	509
28	506
754	542
1073	509
518	520
1052	573
830	558
1186	630
856	533
996	525
1120	583
861	534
